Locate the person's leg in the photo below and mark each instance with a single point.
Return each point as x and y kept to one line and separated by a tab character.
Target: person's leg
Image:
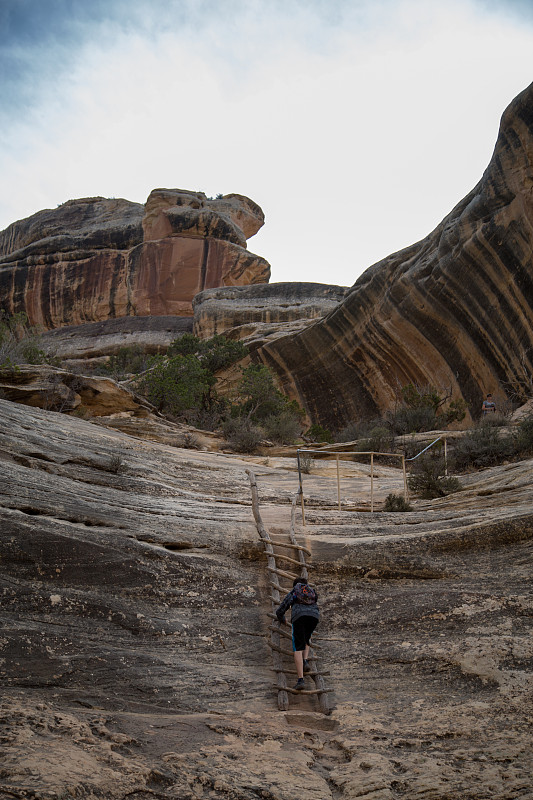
299	662
310	624
298	646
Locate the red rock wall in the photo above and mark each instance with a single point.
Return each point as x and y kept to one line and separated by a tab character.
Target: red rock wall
95	259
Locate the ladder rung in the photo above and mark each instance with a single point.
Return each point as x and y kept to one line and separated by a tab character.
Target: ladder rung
302	691
282	572
288	558
286	545
311	674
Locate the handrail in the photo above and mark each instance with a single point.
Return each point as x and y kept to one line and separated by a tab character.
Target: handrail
440	438
337	455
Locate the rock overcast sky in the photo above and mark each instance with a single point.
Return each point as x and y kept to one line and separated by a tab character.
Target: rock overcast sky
356	124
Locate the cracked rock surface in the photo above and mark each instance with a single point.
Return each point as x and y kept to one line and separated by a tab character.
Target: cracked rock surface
133	654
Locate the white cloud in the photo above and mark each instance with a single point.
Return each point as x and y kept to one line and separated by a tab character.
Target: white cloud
355	138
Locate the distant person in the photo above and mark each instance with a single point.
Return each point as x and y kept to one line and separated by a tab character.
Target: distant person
302	600
488	407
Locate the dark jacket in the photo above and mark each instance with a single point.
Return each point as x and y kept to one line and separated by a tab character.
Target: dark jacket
297	609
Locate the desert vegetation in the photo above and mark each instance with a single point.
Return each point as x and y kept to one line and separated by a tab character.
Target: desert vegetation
20	342
182	383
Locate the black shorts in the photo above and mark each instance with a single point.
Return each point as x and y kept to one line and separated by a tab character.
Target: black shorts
302	628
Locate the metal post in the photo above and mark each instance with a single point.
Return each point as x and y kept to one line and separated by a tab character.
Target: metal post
446	456
405	489
338	486
372	483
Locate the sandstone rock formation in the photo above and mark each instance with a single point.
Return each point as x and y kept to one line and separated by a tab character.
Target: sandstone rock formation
454	310
59	390
82	345
94	259
133	653
258	312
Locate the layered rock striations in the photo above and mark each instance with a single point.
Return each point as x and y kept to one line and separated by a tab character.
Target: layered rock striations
264	310
454	310
134	656
94	259
94	341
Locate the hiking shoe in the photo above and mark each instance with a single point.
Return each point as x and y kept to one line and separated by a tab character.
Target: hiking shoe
300	684
307	668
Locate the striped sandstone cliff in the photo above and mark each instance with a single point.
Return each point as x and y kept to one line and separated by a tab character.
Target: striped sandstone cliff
454	310
95	259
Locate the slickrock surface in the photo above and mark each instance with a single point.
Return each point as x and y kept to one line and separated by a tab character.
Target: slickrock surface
93	259
454	310
255	313
134	659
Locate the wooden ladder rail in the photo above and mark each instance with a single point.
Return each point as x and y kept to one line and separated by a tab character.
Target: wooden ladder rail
317	677
275	644
281	681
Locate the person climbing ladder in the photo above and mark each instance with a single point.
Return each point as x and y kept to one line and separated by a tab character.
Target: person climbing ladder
305	615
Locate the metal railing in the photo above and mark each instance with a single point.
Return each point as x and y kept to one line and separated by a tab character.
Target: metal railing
372	453
439	439
337	455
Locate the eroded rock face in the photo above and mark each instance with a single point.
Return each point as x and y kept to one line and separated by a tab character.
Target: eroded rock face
257	312
63	391
94	259
79	345
454	310
134	658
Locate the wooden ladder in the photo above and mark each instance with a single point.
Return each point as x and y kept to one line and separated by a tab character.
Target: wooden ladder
293	554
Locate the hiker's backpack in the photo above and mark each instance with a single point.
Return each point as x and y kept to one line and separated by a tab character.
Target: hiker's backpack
304	594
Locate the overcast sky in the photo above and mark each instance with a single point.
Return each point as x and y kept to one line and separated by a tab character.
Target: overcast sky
356	125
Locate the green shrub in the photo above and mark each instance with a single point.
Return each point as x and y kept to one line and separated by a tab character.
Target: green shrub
127	361
413	420
523	437
483	446
495	420
19	342
349	433
215	353
242	435
396	502
208	419
319	434
282	428
380	440
257	396
424	409
428	479
176	384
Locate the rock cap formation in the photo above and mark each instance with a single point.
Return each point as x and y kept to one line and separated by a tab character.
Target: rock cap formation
95	258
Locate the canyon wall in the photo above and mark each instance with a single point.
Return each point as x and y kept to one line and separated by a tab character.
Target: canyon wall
454	310
94	259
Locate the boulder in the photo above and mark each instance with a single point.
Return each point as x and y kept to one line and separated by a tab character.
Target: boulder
96	259
56	389
454	310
